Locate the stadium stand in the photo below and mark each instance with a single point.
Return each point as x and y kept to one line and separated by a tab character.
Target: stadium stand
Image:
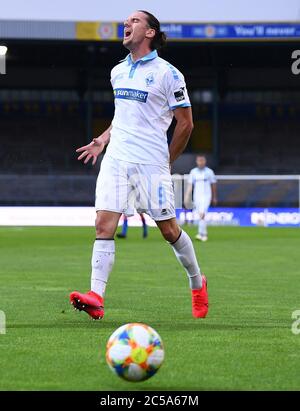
57	96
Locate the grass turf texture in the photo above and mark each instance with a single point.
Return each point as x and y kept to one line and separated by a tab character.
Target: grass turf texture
245	343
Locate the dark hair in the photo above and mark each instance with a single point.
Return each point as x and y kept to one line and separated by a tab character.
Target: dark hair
201	155
160	38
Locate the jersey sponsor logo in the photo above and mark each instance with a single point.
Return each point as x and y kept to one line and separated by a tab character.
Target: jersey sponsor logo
201	178
131	94
179	94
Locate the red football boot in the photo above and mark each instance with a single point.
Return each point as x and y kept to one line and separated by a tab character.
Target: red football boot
200	300
95	313
91	303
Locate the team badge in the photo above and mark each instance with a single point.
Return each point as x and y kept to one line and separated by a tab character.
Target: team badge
149	79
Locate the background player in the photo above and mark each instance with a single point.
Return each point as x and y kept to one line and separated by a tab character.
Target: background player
123	234
148	92
203	183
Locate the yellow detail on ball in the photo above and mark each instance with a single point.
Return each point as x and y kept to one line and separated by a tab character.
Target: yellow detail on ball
139	355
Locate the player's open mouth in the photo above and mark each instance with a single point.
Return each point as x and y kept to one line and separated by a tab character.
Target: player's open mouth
127	34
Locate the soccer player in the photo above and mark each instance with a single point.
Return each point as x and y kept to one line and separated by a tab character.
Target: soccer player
123	234
202	181
135	171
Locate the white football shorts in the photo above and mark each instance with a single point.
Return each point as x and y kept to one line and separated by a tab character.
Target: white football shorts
202	206
124	187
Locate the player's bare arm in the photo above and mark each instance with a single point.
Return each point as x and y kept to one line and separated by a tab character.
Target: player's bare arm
95	147
182	132
214	194
188	195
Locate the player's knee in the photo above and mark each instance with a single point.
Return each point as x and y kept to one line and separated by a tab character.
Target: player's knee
170	233
103	229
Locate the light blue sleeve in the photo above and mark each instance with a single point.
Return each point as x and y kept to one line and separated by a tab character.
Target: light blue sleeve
175	88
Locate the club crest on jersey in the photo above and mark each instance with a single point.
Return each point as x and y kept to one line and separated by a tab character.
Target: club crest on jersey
131	94
149	79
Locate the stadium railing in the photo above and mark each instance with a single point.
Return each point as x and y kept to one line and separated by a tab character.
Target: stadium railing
268	200
244	200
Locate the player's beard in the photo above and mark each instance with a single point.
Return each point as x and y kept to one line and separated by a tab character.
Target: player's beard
130	44
133	42
127	44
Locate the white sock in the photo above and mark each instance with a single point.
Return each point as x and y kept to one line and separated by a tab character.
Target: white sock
102	263
185	253
202	227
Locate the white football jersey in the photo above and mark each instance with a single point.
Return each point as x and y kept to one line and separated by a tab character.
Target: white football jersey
201	179
146	93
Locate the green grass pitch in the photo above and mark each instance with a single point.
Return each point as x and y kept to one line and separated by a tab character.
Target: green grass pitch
245	343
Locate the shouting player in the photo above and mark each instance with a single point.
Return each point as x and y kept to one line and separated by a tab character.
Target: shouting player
202	181
135	171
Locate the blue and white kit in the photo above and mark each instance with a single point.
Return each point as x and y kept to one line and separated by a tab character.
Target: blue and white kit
135	172
202	179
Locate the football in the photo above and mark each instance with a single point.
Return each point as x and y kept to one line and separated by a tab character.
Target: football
135	352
